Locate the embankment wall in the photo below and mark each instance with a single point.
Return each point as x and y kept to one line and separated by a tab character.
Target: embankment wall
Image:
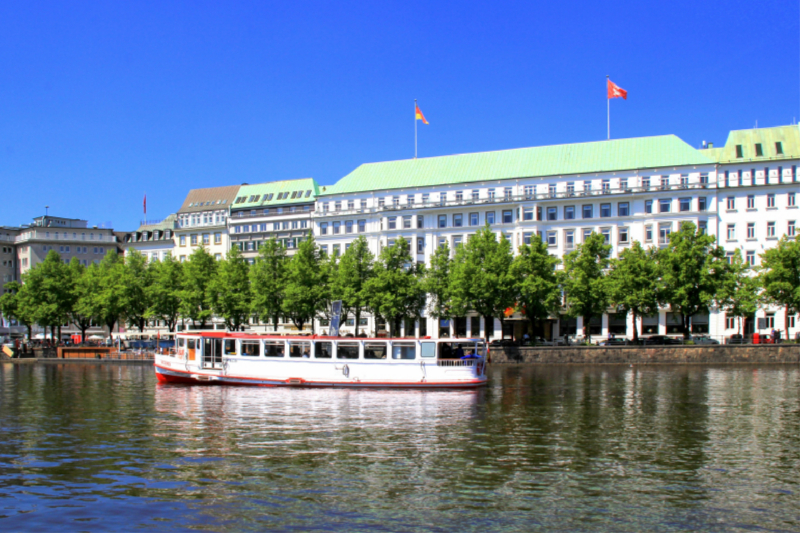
642	355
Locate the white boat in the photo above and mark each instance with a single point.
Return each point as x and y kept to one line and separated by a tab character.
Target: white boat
319	361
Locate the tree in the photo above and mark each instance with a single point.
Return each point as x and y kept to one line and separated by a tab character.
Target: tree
230	290
739	291
395	292
109	292
49	293
633	283
198	271
537	287
436	283
304	295
692	270
15	304
164	291
355	269
79	314
780	277
268	281
481	277
135	281
584	280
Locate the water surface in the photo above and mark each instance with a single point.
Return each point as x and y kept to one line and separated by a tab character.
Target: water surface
104	447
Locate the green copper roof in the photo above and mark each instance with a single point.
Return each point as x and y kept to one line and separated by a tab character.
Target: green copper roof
767	138
277	193
167	223
539	161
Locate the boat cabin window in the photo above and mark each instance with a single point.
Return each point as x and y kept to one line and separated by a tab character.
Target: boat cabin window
250	348
347	350
428	349
323	350
190	344
404	350
456	350
374	350
230	346
181	343
299	349
273	348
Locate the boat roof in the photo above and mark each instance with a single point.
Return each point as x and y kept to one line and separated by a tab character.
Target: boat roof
241	335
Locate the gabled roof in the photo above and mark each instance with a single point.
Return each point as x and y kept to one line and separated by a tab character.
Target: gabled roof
539	161
276	193
788	136
209	199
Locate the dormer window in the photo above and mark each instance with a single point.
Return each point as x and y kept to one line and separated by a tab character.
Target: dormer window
759	150
778	148
739	151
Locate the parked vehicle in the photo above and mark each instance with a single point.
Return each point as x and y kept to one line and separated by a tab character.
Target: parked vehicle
703	339
541	341
503	342
614	342
736	339
660	340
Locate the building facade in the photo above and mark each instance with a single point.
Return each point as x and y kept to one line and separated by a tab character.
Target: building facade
202	220
628	190
155	241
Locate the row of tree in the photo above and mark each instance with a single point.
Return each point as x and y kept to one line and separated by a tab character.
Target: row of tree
689	276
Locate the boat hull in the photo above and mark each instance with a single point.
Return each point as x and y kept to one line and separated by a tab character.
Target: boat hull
172	375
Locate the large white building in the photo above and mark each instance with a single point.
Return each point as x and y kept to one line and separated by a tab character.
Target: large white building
637	189
203	221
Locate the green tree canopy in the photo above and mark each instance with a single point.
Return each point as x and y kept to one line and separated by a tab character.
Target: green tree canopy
49	291
395	291
268	281
633	283
76	288
739	291
304	294
16	304
537	286
584	280
109	293
135	281
355	268
165	290
436	283
692	270
481	276
230	290
198	273
780	276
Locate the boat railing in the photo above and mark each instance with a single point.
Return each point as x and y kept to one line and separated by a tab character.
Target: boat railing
456	362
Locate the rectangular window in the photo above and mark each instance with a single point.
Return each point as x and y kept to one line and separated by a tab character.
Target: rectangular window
551	238
426	198
552	213
665	182
457	240
587	233
730	322
569	239
569	212
323	228
442	242
442	198
623	235
420	221
508	193
704	179
702	203
770	200
337	206
347	350
730	203
458	220
663	233
508	216
605	185
606	233
183	240
646	183
702	227
751	230
623	209
348	226
193	240
570	188
473	219
605	210
588	211
684	180
391	223
751	258
529	192
375	350
685	204
778	148
490	194
459	196
587	186
790	228
526	238
759	150
751	201
490	217
206	239
648	206
552	190
739	151
790	199
648	234
731	232
406	221
420	245
274	348
337	248
336	227
442	221
664	205
771	229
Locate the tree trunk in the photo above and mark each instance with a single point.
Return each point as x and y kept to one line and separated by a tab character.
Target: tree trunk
275	323
83	333
635	329
502	326
358	318
587	331
786	322
685	326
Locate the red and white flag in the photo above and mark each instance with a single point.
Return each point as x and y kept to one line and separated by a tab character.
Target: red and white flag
615	91
144	204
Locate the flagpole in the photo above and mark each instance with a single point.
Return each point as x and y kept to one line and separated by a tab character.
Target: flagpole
608	103
415	128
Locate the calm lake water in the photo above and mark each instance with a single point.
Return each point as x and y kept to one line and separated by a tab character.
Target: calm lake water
94	447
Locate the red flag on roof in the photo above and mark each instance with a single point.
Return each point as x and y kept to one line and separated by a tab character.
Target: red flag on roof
615	91
144	203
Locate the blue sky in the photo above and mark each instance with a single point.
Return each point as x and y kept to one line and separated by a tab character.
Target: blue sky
101	102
